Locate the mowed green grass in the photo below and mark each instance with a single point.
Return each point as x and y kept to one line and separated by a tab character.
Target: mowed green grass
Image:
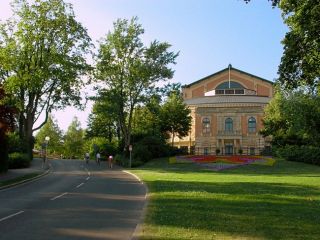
249	202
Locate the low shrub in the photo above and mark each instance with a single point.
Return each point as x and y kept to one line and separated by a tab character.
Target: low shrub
156	146
121	160
141	153
307	154
18	160
174	151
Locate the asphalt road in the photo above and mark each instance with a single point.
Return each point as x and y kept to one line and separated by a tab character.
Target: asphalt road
74	201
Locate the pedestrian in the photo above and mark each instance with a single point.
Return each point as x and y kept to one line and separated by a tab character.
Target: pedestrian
87	157
110	161
98	158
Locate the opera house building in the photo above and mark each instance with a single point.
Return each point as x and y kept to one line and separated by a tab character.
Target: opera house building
227	108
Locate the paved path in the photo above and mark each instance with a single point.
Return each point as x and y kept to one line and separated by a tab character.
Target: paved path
74	201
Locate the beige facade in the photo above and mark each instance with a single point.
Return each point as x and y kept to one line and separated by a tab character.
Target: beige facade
227	110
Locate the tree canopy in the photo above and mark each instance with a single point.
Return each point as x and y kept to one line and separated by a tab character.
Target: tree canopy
130	69
42	58
52	130
175	117
74	140
293	118
300	63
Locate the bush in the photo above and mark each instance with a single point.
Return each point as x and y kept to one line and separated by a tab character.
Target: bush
15	144
174	151
141	153
121	160
307	154
19	160
156	146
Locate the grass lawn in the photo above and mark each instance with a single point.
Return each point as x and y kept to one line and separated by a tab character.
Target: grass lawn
249	202
18	179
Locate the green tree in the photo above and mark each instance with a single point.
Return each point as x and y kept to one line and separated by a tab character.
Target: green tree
300	63
146	118
103	120
293	118
42	56
74	140
130	69
175	117
52	130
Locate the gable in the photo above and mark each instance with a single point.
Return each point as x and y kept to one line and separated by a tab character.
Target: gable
238	80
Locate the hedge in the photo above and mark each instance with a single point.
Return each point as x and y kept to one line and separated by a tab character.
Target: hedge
18	160
306	154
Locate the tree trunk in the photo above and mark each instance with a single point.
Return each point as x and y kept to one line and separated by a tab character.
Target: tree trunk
172	139
28	136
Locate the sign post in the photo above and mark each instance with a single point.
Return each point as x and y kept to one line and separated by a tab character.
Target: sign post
130	150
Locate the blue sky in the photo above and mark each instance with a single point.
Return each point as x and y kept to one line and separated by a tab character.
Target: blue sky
209	34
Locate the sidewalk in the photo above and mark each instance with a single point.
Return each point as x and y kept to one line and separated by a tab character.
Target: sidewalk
35	167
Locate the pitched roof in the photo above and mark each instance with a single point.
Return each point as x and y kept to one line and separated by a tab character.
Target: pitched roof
217	73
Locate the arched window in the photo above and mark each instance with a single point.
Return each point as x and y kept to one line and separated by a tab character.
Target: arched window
206	125
229	88
229	125
252	124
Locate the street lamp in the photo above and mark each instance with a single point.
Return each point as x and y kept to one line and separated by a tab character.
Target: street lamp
61	142
130	150
46	142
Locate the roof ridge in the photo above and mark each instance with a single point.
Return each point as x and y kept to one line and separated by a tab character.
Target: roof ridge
225	69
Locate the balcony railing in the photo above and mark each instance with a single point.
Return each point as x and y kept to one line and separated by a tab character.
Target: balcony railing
229	133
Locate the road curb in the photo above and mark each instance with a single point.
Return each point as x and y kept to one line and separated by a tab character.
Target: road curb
138	229
25	180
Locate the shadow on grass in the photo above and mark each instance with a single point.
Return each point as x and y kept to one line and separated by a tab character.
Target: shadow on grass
281	167
251	210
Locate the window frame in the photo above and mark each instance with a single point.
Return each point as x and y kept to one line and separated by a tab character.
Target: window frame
206	125
252	125
228	124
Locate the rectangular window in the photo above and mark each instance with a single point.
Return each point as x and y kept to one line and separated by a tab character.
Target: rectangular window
239	91
219	92
252	151
229	91
205	151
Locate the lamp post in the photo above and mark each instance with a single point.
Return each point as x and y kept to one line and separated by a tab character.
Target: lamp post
46	142
62	144
130	150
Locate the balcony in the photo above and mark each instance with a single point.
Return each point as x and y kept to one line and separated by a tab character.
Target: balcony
229	133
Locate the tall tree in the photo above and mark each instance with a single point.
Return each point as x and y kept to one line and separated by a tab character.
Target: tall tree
129	69
300	63
293	118
52	130
42	56
103	120
74	140
175	117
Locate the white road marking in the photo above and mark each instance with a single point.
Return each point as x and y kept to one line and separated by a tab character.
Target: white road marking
80	185
58	196
10	216
135	176
87	178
